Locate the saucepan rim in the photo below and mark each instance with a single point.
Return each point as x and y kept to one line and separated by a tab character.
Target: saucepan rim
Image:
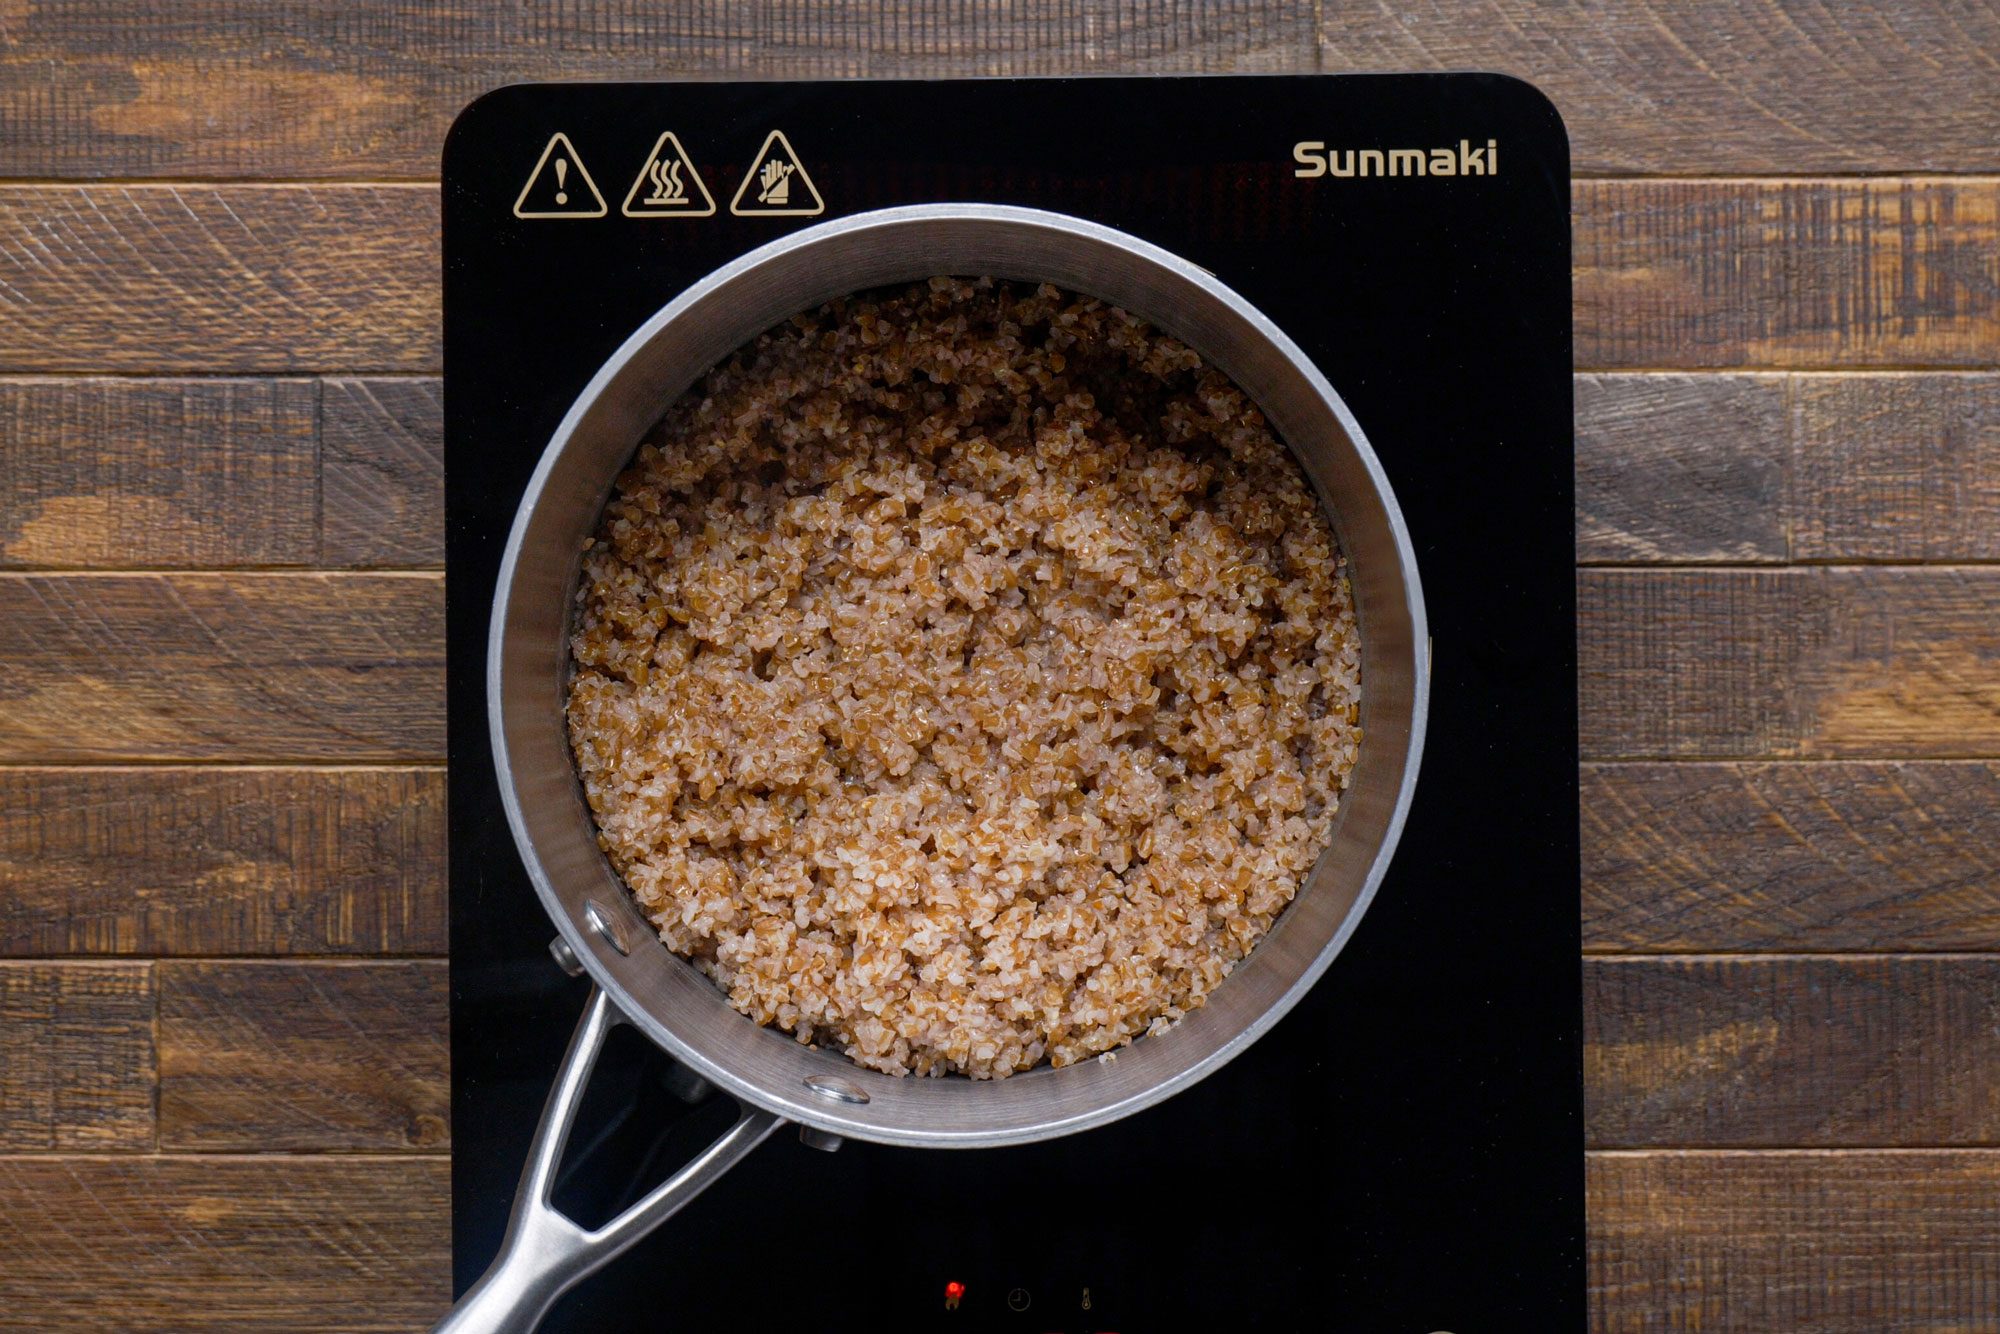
614	969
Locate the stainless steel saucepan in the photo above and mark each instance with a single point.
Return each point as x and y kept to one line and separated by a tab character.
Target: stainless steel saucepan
638	981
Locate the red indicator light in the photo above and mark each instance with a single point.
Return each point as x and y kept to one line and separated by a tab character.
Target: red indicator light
952	1292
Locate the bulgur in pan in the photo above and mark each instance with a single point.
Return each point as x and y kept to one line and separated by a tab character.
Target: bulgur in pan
965	677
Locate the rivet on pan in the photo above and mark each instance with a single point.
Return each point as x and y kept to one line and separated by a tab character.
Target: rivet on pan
606	926
823	1140
835	1089
565	957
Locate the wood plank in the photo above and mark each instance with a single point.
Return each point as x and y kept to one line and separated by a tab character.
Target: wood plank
1786	274
1680	467
1670	467
236	89
1847	1243
216	1242
125	473
232	89
258	278
200	666
1847	856
1870	662
382	465
303	1056
1745	87
76	1057
1897	467
1722	1052
165	861
249	278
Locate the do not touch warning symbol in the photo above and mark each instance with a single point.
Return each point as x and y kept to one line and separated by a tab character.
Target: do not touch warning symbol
776	185
559	187
667	185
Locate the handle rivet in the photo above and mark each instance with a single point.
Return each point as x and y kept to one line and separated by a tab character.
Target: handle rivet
606	926
823	1140
835	1089
565	957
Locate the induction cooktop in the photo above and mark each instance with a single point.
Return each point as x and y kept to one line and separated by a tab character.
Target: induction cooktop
1403	1152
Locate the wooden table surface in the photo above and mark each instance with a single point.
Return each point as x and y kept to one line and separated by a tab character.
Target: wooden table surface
223	1057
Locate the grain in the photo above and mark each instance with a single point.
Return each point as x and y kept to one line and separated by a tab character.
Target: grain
965	677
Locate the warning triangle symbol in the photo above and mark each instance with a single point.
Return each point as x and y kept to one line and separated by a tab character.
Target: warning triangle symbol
776	185
667	185
559	187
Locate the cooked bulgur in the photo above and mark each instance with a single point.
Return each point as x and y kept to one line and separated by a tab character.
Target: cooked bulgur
964	677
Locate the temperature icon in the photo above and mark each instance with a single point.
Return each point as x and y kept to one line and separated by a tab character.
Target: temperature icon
667	186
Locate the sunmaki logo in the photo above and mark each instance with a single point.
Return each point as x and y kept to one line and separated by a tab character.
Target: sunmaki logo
1316	159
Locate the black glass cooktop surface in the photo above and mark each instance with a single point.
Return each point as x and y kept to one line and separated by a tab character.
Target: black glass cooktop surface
1403	1153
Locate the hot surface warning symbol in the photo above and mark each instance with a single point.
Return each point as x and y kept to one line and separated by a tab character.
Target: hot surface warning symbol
559	187
777	184
668	186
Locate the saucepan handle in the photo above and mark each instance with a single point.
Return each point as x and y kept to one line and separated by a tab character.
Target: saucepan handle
545	1252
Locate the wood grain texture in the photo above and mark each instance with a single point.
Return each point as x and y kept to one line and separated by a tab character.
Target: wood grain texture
382	461
1896	467
1852	466
1847	1243
240	278
1681	467
1847	856
1670	467
258	278
1747	1053
166	861
1651	86
1786	274
315	88
1870	662
128	473
210	1243
309	89
303	1056
76	1057
339	281
209	666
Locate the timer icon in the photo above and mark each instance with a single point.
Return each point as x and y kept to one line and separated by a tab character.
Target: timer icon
1017	1300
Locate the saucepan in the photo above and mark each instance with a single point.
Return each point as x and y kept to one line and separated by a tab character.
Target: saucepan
637	981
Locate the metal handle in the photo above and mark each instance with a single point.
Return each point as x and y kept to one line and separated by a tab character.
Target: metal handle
544	1252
